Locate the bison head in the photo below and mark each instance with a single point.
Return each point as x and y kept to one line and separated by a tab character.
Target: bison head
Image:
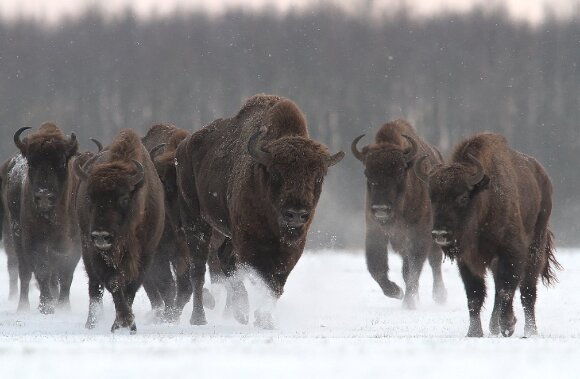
453	189
111	190
292	169
386	170
47	153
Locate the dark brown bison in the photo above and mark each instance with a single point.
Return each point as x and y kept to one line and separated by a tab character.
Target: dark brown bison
168	296
254	180
121	218
39	226
491	207
398	210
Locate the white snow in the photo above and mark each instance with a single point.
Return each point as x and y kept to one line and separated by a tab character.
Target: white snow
332	321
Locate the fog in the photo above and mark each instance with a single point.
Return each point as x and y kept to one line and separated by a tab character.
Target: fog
451	76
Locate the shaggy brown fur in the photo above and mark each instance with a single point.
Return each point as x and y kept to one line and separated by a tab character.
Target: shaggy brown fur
398	211
491	207
39	224
261	204
123	207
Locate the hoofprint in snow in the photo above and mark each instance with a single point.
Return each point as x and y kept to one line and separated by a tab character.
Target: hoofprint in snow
332	321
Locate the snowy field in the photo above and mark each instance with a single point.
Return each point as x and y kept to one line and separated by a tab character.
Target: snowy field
332	321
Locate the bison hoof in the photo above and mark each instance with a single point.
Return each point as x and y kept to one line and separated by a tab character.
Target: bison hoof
46	308
508	327
197	318
124	322
530	331
90	324
440	295
409	302
393	290
475	329
263	320
494	326
207	299
23	307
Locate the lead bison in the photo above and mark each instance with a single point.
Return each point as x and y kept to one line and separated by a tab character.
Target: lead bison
121	217
491	207
39	227
398	210
254	180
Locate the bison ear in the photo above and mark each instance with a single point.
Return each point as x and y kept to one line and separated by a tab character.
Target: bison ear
481	186
410	164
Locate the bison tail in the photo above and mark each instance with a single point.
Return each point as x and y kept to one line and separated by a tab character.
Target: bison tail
549	275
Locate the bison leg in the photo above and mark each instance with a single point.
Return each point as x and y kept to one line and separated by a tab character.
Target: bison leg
237	296
124	317
12	264
528	290
25	274
65	278
494	320
435	258
412	266
168	290
95	303
508	278
378	263
45	281
475	291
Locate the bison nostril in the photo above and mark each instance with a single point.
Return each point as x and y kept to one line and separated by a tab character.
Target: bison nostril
296	216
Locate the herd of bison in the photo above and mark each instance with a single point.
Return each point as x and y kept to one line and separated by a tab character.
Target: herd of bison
241	193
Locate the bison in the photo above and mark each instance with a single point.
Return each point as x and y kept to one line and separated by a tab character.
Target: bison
120	210
168	296
398	210
39	226
254	180
491	207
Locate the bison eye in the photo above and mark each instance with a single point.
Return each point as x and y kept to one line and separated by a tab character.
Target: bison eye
276	178
463	199
124	201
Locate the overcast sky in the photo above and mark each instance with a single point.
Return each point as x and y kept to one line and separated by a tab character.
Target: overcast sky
53	9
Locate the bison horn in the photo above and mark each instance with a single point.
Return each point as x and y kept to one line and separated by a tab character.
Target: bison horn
73	144
478	176
79	171
98	143
156	149
357	154
256	151
409	155
334	159
418	167
139	175
19	144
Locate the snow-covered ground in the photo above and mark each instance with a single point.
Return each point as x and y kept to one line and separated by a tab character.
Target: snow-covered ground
332	321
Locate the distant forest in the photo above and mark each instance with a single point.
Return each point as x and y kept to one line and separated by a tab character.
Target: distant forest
451	76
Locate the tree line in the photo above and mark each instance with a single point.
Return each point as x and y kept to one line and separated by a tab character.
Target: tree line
451	76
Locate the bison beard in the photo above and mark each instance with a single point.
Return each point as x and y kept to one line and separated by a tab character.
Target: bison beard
491	207
398	210
251	182
121	217
38	220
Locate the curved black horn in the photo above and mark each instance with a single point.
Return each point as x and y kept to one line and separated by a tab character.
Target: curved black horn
73	144
98	143
334	159
19	144
409	155
418	168
480	171
139	175
356	152
156	149
256	151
